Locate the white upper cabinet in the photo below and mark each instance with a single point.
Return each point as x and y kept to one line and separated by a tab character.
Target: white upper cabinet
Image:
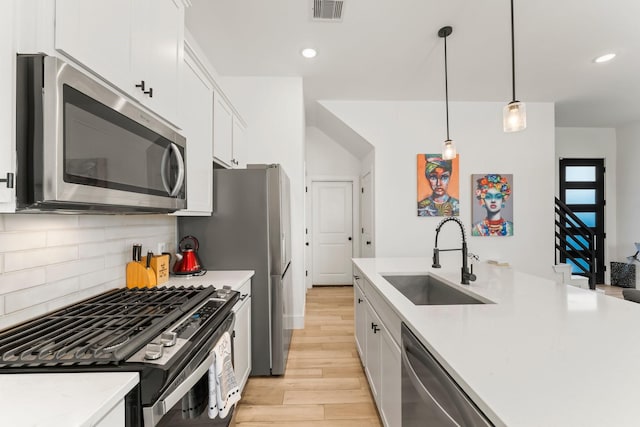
196	116
136	45
7	106
222	130
229	135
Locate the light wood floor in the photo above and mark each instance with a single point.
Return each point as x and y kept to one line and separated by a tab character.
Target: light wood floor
324	384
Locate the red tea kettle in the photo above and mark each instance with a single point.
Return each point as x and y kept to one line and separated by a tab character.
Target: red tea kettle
187	261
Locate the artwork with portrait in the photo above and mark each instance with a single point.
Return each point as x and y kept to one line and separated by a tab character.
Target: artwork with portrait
438	186
492	204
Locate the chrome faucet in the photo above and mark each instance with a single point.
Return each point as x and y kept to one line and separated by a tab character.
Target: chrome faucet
467	275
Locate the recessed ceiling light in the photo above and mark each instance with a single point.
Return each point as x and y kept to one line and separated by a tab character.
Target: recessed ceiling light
604	58
309	52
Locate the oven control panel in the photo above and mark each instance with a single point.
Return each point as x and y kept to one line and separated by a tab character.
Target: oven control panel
162	348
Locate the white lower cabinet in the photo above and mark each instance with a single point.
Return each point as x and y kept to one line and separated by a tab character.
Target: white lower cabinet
242	336
7	106
379	351
360	319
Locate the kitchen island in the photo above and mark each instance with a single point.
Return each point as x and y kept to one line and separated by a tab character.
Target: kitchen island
541	354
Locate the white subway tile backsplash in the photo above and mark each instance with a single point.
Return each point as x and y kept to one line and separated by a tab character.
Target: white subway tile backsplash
106	221
39	294
39	221
108	247
1	306
107	275
21	240
38	257
117	260
64	270
22	279
76	236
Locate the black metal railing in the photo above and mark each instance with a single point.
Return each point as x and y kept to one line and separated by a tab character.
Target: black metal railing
575	241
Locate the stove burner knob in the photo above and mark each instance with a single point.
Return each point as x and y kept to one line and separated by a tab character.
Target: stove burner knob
153	351
168	339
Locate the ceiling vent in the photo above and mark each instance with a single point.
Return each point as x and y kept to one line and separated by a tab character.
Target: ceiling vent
327	10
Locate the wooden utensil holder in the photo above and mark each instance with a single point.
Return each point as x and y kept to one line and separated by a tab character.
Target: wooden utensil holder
138	276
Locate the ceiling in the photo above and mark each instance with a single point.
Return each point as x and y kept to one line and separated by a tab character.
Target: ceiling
390	50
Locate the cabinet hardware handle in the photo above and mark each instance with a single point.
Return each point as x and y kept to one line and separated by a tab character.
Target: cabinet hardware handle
373	325
148	92
368	242
349	238
243	296
8	180
359	300
306	243
376	329
141	85
355	276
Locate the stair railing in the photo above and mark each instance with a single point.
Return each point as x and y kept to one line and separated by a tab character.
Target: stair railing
571	235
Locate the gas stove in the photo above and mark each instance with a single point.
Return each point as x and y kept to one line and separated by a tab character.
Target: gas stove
165	334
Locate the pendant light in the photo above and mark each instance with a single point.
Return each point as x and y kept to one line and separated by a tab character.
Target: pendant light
514	114
448	147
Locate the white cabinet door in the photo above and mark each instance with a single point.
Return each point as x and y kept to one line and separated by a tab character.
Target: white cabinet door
391	382
360	320
222	131
242	336
127	42
97	34
373	365
7	104
196	118
239	144
156	53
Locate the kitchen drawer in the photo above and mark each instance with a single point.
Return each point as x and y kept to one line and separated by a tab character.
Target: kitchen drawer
387	315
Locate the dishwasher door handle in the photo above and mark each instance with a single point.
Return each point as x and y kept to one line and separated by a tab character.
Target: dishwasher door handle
420	388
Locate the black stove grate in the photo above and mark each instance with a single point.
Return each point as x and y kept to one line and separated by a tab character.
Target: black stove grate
107	328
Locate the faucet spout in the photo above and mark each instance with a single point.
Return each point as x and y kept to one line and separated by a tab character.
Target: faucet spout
466	273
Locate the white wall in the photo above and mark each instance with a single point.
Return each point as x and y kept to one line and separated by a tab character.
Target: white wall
274	111
628	179
400	130
49	261
594	143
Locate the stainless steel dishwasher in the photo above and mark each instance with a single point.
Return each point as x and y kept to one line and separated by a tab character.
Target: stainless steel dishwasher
430	397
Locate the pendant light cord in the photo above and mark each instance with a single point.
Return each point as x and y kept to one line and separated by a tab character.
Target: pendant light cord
513	56
446	86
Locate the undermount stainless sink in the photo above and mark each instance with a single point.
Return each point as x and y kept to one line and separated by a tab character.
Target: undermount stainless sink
426	289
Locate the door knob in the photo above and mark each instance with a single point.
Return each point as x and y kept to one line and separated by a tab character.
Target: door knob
368	242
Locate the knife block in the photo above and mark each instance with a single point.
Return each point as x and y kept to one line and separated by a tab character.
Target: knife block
138	276
160	267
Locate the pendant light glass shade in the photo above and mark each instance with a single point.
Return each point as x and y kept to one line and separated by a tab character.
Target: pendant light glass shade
449	151
514	116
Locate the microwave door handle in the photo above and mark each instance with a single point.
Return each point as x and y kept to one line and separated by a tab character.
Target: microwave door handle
172	148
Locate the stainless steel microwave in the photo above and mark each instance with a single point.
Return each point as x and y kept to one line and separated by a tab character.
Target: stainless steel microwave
82	147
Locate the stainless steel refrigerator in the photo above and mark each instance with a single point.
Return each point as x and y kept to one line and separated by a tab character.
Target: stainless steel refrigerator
250	229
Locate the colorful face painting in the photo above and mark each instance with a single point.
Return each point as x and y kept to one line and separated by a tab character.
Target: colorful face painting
438	186
493	205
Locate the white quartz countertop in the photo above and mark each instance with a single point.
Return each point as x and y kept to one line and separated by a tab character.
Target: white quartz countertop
61	400
544	354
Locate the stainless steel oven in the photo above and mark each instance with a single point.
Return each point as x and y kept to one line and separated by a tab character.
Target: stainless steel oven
83	147
166	335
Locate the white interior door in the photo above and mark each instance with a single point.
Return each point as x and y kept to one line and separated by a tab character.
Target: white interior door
366	217
332	207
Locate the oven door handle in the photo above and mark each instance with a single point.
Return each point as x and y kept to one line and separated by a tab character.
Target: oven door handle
176	395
